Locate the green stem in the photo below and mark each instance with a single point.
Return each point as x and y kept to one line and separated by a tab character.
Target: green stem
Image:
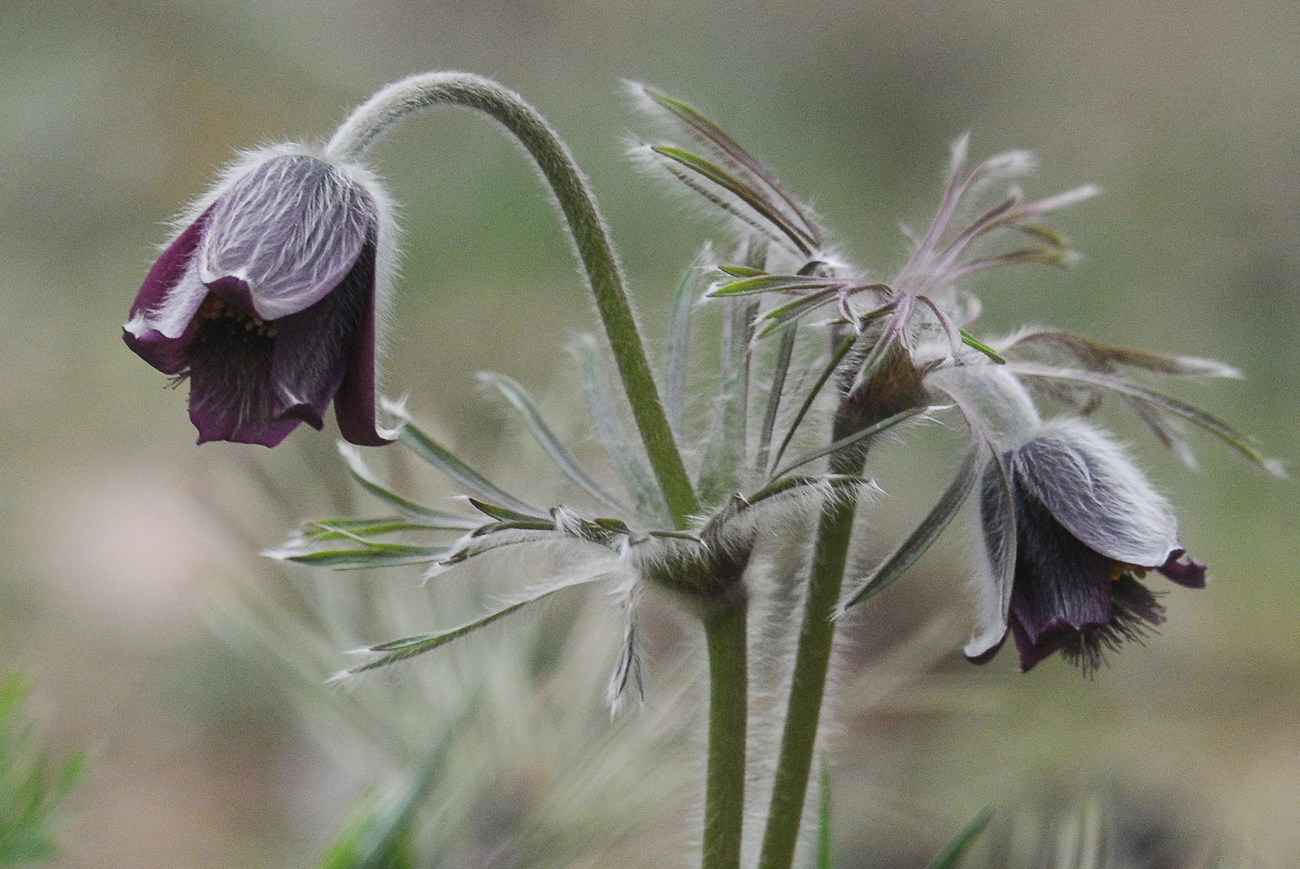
812	663
574	197
724	800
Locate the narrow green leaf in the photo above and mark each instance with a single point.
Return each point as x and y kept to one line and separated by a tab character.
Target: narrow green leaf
515	525
766	283
951	856
811	396
614	526
1099	356
743	191
724	453
971	341
373	555
542	433
780	368
359	472
1239	441
1042	233
444	460
347	528
609	431
868	432
408	647
679	323
1046	255
925	534
740	271
710	133
674	535
785	314
499	513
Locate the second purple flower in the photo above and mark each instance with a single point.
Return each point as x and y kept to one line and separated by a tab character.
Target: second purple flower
266	302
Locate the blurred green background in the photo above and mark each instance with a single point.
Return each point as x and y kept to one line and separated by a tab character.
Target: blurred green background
111	553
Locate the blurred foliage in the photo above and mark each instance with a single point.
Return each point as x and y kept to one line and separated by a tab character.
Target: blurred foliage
33	786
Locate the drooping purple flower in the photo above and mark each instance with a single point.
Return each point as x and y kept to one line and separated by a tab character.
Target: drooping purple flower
1087	527
267	300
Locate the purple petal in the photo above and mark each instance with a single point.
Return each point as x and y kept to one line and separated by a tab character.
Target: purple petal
314	348
168	268
1062	587
290	230
1190	574
354	406
235	291
1096	493
224	425
988	652
159	326
228	364
997	516
1032	653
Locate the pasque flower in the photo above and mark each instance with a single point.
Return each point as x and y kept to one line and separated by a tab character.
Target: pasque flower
1087	527
266	302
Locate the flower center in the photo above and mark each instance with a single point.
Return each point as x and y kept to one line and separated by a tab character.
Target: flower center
216	308
229	365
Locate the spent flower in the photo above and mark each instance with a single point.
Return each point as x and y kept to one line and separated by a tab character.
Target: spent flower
267	301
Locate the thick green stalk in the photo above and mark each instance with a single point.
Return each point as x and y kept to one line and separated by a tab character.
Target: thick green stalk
724	799
574	197
812	663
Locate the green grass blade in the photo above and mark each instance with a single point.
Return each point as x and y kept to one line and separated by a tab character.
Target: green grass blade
824	825
951	856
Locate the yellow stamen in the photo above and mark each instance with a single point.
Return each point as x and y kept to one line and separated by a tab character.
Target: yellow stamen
1119	570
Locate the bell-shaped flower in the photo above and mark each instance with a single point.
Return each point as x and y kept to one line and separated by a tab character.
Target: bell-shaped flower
267	300
1073	525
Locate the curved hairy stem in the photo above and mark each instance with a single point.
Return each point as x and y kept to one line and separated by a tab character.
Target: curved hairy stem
591	239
